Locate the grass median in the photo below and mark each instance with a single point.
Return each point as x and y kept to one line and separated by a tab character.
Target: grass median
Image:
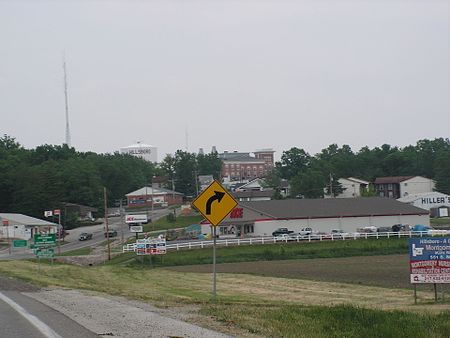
278	251
336	321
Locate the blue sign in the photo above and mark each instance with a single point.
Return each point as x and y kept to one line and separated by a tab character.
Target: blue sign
429	260
429	248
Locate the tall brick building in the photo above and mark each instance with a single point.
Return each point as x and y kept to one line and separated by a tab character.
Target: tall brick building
239	166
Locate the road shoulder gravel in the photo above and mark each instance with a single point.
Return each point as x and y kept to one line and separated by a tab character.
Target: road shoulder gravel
119	317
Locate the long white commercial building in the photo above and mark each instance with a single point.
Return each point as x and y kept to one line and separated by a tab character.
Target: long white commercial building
261	218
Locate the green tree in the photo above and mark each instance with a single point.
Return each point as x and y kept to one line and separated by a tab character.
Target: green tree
272	180
185	169
293	162
442	169
209	164
334	187
309	184
369	192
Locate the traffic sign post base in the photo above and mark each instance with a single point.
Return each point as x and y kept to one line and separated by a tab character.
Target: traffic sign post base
214	292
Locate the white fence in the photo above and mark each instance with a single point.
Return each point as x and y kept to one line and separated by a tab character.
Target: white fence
291	239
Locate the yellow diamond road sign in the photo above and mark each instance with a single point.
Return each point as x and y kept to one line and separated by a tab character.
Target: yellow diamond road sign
215	203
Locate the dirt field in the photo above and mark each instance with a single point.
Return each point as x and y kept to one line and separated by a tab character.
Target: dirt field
386	271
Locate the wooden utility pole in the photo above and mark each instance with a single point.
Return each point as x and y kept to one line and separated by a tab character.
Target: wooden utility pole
106	224
331	185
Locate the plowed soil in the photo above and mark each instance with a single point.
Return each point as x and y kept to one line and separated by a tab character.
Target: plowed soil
390	271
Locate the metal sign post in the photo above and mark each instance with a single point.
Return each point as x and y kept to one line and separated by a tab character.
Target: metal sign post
214	203
57	212
214	266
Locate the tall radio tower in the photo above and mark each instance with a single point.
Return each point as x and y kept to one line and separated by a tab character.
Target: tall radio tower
67	104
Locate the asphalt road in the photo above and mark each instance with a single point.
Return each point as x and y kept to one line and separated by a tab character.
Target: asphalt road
114	223
22	316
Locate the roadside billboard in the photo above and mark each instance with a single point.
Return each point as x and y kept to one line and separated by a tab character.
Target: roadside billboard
429	260
136	228
151	246
136	218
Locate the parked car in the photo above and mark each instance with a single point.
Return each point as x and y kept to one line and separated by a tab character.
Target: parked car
367	230
114	214
111	233
284	238
338	234
399	227
305	232
84	236
282	231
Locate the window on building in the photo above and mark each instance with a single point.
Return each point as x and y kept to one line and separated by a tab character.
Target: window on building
390	186
249	228
227	230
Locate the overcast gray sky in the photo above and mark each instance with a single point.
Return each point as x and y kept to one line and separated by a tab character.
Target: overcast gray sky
240	75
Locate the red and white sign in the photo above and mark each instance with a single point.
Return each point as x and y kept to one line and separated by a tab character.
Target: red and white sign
151	246
56	212
430	278
137	218
5	222
237	213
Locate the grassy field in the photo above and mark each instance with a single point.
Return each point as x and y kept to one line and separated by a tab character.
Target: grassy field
180	222
271	252
337	321
266	306
440	221
77	252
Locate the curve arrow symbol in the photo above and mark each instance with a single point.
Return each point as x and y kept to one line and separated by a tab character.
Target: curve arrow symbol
218	195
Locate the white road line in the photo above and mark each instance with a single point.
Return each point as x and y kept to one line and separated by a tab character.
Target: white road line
41	326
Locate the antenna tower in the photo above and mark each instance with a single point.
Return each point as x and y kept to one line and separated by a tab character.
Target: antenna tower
67	104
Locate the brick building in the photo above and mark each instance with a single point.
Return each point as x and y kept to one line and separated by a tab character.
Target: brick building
244	166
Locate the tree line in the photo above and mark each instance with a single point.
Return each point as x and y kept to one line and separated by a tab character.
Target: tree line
309	174
34	180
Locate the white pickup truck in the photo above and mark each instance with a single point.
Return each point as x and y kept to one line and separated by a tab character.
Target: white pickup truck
305	232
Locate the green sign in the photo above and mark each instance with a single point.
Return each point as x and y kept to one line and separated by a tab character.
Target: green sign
45	252
20	243
44	238
43	245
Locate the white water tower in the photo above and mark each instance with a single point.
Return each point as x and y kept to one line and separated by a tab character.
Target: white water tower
145	151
